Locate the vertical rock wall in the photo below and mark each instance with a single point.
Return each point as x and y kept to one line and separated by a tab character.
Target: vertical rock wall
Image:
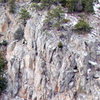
39	70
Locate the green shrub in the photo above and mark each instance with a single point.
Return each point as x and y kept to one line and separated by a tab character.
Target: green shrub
47	3
60	45
63	2
82	26
24	14
55	17
36	6
40	6
88	5
80	5
2	63
3	81
44	6
5	43
55	13
3	84
11	6
71	5
44	3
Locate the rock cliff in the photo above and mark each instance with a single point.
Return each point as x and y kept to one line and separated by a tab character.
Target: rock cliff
39	70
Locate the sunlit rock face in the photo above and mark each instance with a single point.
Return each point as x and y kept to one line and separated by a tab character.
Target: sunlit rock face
39	70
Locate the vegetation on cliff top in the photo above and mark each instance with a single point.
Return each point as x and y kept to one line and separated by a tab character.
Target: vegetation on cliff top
72	5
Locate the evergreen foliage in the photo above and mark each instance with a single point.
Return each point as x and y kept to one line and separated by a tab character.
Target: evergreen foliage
11	6
73	5
55	18
60	45
82	26
24	14
3	81
80	5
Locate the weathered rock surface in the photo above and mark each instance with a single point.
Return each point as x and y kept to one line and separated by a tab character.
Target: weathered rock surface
39	70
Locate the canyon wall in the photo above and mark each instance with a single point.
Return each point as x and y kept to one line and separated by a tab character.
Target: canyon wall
39	70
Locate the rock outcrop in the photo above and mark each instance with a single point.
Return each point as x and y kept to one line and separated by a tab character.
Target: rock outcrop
39	70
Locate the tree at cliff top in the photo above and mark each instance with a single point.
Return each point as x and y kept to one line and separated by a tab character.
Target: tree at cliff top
80	5
73	5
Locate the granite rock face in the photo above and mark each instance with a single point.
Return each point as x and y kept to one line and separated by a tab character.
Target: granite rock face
39	70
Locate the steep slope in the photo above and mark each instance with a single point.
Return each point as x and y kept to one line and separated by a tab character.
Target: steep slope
39	70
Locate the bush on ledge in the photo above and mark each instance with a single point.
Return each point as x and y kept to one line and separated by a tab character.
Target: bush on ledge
83	26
